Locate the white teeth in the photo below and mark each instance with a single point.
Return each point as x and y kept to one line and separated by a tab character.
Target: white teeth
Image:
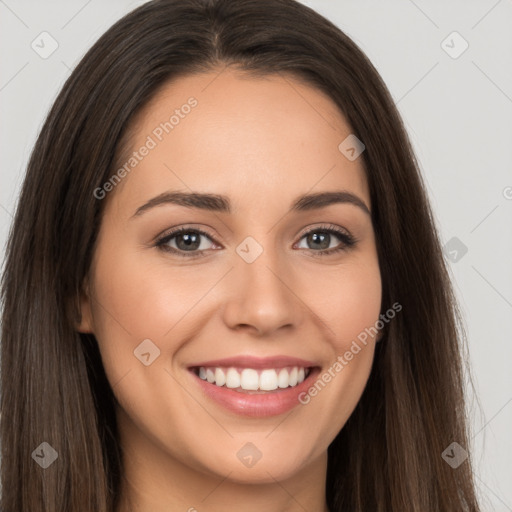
254	380
249	379
232	379
268	380
292	379
283	378
220	377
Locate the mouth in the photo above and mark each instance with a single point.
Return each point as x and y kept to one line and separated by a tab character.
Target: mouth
255	388
252	380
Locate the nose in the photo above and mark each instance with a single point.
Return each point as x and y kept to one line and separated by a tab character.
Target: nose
261	297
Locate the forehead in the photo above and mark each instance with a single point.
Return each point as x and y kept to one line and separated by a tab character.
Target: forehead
230	133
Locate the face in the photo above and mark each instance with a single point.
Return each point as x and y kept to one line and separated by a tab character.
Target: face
260	291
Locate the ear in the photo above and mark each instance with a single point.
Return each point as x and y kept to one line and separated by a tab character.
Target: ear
85	322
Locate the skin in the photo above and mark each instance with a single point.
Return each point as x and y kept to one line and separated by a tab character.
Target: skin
262	142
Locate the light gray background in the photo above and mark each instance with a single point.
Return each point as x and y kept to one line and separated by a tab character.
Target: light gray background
458	112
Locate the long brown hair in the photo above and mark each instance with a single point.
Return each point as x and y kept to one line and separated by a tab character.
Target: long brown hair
388	455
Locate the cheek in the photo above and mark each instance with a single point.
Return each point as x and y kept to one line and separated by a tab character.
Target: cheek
133	302
348	300
349	304
142	300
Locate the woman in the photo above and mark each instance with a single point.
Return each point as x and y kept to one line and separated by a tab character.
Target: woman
173	337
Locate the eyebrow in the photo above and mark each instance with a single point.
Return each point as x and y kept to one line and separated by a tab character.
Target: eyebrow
222	204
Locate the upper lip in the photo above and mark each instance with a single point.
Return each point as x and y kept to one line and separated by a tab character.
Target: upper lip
257	362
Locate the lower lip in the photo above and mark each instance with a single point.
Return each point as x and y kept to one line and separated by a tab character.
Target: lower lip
271	403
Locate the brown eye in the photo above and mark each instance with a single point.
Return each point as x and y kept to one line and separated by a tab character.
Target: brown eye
319	240
184	240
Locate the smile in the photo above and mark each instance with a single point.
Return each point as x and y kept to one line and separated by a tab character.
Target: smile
254	387
255	380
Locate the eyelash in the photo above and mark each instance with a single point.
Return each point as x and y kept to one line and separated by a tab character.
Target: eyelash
347	241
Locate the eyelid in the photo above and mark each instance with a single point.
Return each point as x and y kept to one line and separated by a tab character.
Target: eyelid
324	227
186	227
